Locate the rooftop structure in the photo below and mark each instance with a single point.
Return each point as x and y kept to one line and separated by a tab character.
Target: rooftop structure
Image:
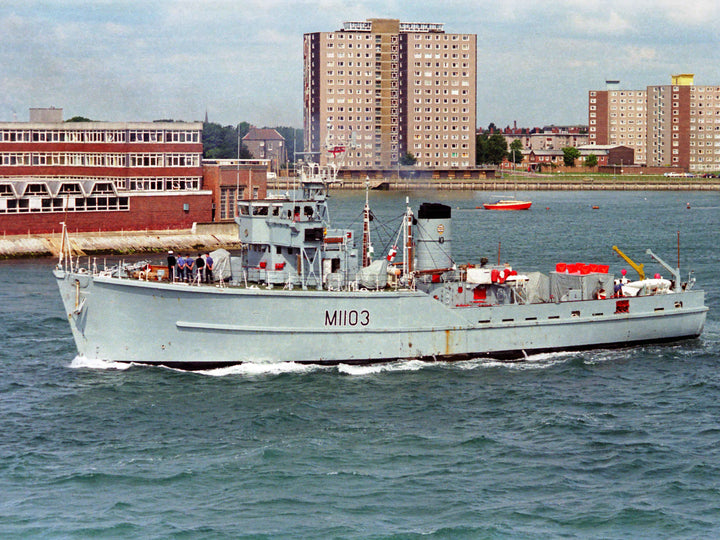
404	27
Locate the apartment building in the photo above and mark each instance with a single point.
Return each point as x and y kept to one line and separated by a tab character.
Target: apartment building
383	88
100	175
675	125
685	128
704	137
619	117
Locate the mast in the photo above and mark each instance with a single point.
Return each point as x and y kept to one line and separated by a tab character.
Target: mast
408	248
366	246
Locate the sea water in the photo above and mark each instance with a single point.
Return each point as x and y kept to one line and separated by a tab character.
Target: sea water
621	443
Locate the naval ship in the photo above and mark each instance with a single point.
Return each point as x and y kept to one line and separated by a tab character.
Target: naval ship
302	291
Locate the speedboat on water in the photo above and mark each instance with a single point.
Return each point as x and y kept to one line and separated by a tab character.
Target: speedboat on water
300	290
510	204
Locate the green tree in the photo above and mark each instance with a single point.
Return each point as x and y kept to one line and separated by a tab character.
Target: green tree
481	149
221	142
408	159
570	154
78	119
497	148
591	160
515	154
293	141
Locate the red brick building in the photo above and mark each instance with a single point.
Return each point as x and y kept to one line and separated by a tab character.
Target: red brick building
230	180
609	154
536	159
100	175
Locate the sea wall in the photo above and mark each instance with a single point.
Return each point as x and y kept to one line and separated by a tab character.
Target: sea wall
191	241
532	183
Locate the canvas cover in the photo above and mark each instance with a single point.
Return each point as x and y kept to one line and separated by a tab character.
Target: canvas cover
482	276
537	288
373	276
221	265
565	286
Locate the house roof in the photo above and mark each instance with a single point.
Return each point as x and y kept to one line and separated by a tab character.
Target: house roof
546	152
601	147
263	134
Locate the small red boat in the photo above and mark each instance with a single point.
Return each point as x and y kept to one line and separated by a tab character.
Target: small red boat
508	205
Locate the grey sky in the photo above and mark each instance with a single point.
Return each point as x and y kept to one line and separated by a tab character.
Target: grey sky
125	60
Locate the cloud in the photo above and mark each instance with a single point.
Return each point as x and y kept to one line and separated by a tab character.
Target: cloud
640	55
127	60
697	14
600	23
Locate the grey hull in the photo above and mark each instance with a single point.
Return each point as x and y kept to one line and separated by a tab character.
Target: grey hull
195	327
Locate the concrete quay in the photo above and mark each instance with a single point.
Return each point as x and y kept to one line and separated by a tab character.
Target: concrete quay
526	183
202	238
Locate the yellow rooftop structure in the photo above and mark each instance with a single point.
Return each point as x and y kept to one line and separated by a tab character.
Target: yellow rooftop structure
684	79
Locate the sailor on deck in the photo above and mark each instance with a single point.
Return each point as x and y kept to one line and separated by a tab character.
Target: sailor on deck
181	267
208	268
171	262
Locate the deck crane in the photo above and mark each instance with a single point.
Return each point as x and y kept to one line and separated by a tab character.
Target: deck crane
637	267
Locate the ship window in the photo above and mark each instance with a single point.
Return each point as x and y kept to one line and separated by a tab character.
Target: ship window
313	235
260	210
243	209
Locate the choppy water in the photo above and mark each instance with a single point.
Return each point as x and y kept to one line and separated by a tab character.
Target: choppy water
601	444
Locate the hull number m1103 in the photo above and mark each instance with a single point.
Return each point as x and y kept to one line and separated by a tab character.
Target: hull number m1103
347	317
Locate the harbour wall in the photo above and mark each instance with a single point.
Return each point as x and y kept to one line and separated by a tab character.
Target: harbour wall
527	183
201	238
